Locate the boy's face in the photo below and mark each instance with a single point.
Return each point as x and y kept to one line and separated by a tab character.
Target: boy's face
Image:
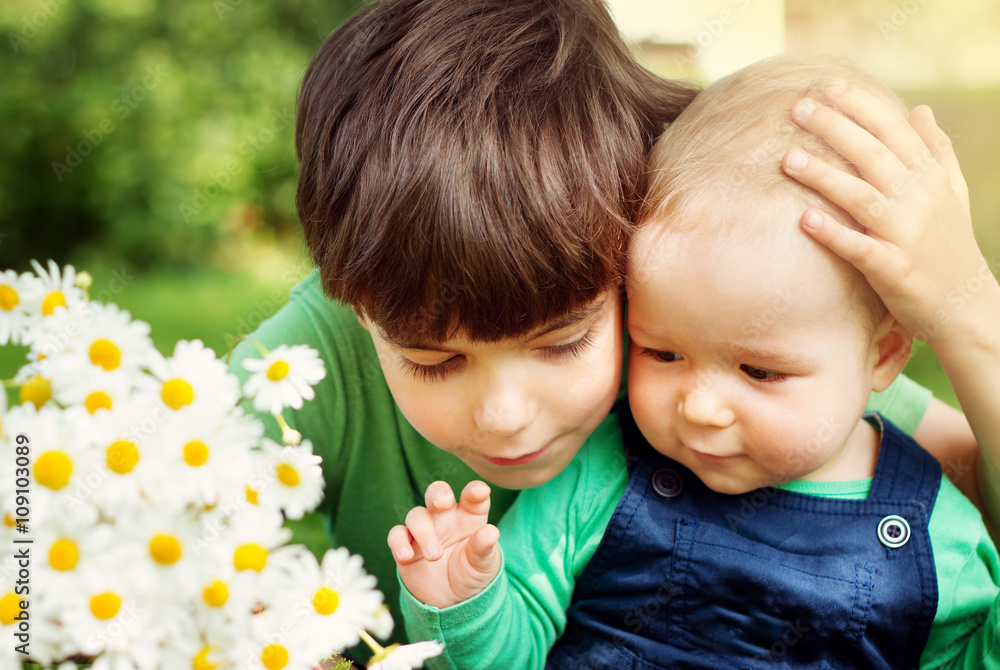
515	411
746	363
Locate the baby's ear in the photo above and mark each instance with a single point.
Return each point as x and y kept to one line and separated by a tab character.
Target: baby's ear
891	347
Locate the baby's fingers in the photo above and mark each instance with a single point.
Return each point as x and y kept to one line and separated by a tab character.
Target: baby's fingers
858	198
439	497
420	523
475	498
483	552
401	544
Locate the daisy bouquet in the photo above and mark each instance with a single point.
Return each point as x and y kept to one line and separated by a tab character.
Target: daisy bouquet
143	508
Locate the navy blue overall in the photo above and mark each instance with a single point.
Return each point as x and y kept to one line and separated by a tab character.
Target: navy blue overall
689	578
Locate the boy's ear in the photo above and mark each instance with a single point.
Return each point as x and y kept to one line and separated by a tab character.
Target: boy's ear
891	347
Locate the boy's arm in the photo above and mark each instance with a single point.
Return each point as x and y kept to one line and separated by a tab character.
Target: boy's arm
918	249
548	536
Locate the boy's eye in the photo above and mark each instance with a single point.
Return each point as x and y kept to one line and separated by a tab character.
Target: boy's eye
432	373
570	349
761	375
662	356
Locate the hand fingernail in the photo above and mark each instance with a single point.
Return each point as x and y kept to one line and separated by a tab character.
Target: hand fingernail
433	551
812	220
836	89
803	108
796	160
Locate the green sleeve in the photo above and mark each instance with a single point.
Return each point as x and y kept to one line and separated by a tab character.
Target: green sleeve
547	539
375	464
966	629
904	403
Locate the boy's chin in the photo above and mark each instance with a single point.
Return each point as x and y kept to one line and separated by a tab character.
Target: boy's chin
516	478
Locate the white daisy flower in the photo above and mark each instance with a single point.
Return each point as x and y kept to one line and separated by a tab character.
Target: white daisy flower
339	595
293	478
120	437
94	391
203	453
275	645
70	552
283	378
165	557
56	289
61	459
194	376
406	656
107	340
16	294
107	617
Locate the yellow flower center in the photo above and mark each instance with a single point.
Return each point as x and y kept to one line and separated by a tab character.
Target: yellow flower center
106	354
10	607
251	496
277	371
37	391
216	594
250	557
63	554
97	400
201	662
176	393
8	298
53	300
9	520
165	549
195	453
287	475
274	657
105	605
122	457
325	601
53	469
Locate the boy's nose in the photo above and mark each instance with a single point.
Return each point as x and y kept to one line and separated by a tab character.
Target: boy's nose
504	411
704	405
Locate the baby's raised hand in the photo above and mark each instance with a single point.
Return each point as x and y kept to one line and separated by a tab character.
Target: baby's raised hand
918	250
447	552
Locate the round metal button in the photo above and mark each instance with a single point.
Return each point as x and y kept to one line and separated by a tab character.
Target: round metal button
667	483
893	531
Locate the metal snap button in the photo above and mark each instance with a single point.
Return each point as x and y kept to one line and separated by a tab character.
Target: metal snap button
667	483
893	531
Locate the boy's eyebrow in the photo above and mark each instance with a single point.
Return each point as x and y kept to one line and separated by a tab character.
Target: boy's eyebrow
565	322
779	355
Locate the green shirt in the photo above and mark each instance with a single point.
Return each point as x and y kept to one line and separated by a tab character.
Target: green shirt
375	464
554	530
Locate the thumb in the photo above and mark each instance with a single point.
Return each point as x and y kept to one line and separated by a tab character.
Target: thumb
483	551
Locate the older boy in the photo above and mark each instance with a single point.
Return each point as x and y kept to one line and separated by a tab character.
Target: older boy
760	521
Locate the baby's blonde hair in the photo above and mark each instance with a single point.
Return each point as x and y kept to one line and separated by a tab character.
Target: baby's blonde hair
720	161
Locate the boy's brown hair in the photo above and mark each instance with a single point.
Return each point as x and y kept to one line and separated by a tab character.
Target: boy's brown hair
475	166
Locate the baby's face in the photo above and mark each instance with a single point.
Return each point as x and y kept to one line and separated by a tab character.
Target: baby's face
746	363
515	411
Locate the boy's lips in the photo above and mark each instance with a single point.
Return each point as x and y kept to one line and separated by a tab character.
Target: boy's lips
520	460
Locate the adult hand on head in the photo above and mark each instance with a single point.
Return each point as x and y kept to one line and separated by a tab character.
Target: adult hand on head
447	552
918	250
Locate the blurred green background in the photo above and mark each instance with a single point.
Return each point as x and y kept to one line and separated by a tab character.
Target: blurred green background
151	143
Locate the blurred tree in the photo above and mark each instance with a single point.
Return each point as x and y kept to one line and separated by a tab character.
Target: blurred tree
144	130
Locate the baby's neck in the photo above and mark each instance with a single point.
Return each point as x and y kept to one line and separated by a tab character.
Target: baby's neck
855	459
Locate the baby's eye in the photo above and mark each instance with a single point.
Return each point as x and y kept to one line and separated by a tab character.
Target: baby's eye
662	356
761	375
